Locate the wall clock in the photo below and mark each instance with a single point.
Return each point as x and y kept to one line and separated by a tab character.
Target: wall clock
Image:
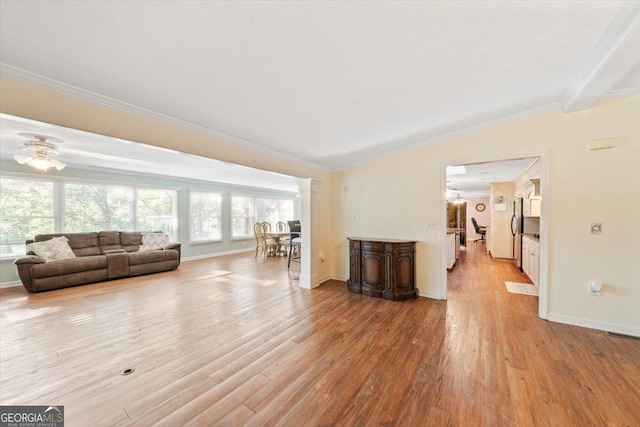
480	207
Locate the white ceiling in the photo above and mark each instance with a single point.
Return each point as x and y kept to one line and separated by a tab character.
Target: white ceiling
97	152
477	179
332	84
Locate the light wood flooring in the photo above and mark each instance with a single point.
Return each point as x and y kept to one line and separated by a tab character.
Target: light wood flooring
234	341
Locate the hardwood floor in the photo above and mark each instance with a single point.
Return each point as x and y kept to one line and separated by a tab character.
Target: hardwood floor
234	341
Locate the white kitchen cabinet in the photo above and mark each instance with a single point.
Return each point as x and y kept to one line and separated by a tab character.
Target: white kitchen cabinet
534	207
451	250
525	254
534	262
531	259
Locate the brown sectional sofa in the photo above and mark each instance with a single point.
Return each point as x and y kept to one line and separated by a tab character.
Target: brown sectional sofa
100	256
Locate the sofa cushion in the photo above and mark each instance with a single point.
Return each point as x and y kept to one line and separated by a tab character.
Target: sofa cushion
130	241
52	249
69	266
109	240
145	257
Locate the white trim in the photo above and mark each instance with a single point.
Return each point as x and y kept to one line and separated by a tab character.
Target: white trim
217	254
469	130
309	281
543	156
431	295
340	278
204	242
13	284
602	326
612	58
42	82
622	93
323	279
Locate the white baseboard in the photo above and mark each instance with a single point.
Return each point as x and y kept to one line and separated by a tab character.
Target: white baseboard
340	278
432	295
602	326
216	254
323	279
10	284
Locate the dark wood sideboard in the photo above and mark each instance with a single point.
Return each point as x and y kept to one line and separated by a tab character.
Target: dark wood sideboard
383	268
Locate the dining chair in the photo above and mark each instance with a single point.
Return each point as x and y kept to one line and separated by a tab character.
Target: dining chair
295	236
262	242
283	242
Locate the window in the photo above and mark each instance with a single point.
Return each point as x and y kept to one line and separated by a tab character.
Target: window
156	210
245	211
274	210
26	209
204	216
242	216
97	207
34	206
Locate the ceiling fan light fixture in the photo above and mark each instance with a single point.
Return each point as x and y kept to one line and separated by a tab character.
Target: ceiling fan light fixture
39	159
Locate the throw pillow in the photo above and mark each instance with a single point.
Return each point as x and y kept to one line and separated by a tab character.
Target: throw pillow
154	241
53	249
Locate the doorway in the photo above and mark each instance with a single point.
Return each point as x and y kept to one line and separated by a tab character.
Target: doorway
486	192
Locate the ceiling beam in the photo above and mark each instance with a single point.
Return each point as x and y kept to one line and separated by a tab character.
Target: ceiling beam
612	58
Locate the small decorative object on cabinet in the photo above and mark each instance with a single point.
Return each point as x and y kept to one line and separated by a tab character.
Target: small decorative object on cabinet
382	268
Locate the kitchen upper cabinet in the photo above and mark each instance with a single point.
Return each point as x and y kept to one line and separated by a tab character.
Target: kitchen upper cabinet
532	200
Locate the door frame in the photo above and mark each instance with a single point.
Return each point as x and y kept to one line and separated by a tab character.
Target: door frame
543	286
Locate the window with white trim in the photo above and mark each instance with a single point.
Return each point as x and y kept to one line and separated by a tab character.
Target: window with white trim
97	207
274	210
41	206
205	216
27	208
245	211
156	210
242	216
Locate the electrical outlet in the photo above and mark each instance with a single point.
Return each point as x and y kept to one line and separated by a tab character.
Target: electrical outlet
433	225
595	289
596	228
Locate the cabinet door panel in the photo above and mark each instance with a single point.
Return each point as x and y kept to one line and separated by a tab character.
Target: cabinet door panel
405	272
372	273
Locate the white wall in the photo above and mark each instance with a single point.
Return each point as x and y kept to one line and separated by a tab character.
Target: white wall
22	100
396	197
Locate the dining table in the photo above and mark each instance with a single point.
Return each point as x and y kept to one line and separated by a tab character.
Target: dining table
277	235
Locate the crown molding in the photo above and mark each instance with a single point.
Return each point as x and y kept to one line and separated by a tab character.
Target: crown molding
51	85
622	93
455	134
613	56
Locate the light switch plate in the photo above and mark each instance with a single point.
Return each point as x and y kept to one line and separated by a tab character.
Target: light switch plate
596	228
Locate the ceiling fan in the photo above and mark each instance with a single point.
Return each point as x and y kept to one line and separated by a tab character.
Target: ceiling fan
40	150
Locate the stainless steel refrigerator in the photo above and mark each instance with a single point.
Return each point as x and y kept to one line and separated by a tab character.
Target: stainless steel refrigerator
517	228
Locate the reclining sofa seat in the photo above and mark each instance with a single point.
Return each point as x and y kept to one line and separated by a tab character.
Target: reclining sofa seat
100	256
